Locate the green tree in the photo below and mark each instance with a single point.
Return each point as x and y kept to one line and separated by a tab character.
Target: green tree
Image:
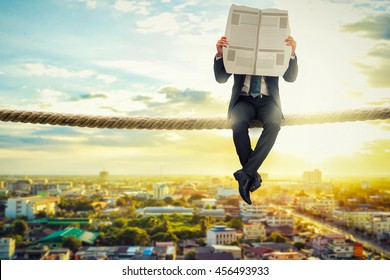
190	255
121	202
119	222
236	223
168	200
277	237
19	227
132	236
72	243
165	237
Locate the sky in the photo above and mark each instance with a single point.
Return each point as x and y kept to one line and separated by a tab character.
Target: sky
155	58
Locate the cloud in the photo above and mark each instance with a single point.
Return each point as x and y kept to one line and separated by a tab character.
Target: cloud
381	50
378	73
126	6
142	98
175	95
89	96
372	159
51	96
182	102
373	27
382	102
163	23
40	69
91	4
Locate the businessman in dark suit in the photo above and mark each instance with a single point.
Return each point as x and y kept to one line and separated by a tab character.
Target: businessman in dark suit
253	98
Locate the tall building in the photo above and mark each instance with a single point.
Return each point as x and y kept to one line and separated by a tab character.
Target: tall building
221	235
7	248
30	206
103	177
22	186
312	177
160	191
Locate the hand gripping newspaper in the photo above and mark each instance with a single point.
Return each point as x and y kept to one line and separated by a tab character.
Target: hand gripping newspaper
256	41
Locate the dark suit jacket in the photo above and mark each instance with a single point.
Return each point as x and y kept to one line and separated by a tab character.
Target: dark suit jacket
272	82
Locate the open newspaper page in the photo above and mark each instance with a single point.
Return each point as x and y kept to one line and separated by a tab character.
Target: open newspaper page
256	47
273	55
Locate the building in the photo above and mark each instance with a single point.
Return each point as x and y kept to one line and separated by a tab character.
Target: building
30	206
226	192
221	235
335	246
20	186
373	221
126	253
57	254
234	250
282	256
381	224
254	231
165	210
214	256
215	213
205	202
59	223
312	177
103	177
254	211
339	248
7	248
37	188
65	186
280	218
324	205
56	239
160	191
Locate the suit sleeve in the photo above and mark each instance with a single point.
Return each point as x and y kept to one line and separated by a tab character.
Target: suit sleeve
221	76
292	71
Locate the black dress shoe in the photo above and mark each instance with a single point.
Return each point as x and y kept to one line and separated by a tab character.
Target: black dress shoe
256	183
244	183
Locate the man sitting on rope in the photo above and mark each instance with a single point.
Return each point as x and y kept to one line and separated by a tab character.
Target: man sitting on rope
253	98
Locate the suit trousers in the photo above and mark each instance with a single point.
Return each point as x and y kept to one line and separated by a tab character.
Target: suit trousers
247	109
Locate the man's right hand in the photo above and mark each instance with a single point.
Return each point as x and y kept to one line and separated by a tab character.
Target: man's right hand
222	43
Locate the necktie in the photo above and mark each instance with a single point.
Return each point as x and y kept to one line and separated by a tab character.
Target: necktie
254	89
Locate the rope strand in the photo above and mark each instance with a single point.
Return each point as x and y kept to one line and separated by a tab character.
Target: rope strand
160	123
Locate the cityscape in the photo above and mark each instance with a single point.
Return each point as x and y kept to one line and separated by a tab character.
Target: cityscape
194	217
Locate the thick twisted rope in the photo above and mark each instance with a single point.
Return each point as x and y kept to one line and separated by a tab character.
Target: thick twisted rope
183	123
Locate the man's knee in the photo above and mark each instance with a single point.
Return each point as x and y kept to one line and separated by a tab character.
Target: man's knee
273	126
240	126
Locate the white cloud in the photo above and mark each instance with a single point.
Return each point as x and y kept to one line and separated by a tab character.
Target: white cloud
40	69
91	4
107	79
182	6
52	96
163	23
132	6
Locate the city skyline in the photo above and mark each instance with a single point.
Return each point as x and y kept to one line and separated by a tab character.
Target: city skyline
136	58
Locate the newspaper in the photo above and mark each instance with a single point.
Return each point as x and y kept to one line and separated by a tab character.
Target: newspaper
256	41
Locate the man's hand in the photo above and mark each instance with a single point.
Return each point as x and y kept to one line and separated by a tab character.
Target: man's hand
291	42
222	43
